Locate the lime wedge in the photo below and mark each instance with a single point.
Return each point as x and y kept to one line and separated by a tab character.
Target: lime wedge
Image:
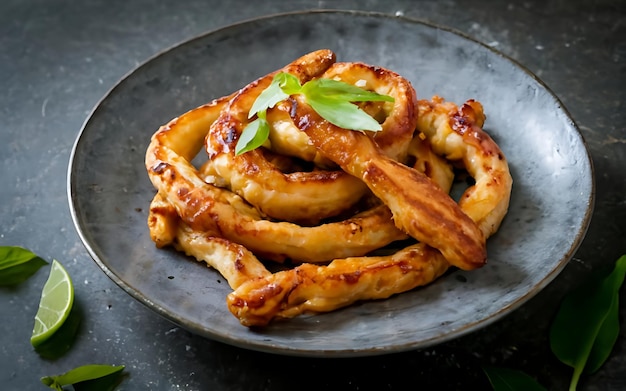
55	305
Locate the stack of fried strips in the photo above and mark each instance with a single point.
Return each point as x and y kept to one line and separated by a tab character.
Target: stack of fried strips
324	200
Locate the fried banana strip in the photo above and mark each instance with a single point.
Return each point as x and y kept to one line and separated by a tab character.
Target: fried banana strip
456	133
315	288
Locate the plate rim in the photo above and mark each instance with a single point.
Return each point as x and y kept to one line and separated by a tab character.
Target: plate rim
355	352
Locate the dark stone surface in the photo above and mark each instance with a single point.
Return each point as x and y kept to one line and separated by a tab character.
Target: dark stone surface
59	57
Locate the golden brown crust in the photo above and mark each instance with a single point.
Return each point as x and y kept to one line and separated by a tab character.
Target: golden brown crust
456	133
315	288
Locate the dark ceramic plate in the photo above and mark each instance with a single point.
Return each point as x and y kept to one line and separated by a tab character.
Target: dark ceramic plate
550	208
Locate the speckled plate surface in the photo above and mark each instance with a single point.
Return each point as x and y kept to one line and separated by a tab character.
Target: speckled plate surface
550	208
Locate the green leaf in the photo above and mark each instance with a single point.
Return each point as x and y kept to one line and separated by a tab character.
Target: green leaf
342	113
253	135
17	264
503	379
336	89
83	374
275	93
584	329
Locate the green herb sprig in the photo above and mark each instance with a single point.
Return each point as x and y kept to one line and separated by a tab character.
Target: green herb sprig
87	377
331	99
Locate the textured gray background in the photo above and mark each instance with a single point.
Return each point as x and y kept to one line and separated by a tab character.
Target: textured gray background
58	58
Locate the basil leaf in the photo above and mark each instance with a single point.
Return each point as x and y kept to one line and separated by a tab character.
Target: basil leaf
340	90
585	313
274	93
253	135
17	264
503	379
81	374
342	113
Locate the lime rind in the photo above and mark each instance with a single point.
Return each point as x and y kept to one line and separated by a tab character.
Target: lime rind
57	299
